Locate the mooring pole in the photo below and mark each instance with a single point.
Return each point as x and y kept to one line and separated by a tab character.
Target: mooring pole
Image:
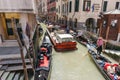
21	48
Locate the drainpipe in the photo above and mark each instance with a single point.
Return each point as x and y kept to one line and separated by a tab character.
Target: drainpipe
73	20
1	38
102	5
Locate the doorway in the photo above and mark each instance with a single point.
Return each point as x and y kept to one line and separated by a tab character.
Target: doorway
10	27
90	23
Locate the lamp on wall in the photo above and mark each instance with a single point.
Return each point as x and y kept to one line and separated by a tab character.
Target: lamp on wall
114	22
104	23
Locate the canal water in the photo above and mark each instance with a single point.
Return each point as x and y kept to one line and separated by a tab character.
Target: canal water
74	65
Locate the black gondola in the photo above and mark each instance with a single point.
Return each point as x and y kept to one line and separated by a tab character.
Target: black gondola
100	61
81	37
44	60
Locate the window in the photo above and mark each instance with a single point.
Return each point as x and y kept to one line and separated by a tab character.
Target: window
67	7
63	8
59	9
70	6
117	6
53	9
86	5
105	6
76	5
52	1
9	26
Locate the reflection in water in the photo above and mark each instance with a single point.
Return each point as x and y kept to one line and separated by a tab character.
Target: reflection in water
74	65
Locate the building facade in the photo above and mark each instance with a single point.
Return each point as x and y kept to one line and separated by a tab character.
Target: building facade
83	14
23	11
109	25
51	10
42	9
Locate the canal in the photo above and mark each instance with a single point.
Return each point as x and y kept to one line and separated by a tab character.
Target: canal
74	65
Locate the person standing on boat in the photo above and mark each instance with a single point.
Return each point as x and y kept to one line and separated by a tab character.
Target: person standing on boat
67	29
99	45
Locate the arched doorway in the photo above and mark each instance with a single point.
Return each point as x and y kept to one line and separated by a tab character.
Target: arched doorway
90	24
65	20
59	21
70	23
56	18
75	24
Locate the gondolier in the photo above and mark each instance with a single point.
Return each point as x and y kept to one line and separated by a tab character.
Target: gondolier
99	45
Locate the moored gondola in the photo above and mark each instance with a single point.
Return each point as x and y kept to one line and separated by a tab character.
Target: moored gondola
44	60
102	63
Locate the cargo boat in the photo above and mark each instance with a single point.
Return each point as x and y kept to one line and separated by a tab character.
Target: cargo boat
63	41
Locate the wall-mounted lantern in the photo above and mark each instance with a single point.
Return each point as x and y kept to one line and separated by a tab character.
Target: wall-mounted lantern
104	23
114	22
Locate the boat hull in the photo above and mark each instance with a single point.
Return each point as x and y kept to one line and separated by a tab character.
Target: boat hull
94	56
43	64
65	46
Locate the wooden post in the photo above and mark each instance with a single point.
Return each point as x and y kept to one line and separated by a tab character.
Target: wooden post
28	52
4	25
100	29
33	52
107	32
37	39
108	27
21	48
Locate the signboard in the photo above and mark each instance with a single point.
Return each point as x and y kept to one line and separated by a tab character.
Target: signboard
95	7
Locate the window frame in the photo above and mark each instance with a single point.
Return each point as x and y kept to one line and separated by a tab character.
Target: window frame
105	6
117	5
86	5
70	6
76	5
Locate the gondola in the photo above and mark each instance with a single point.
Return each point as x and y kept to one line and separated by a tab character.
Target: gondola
81	38
100	62
44	60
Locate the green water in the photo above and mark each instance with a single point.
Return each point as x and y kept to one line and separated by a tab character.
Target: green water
74	65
